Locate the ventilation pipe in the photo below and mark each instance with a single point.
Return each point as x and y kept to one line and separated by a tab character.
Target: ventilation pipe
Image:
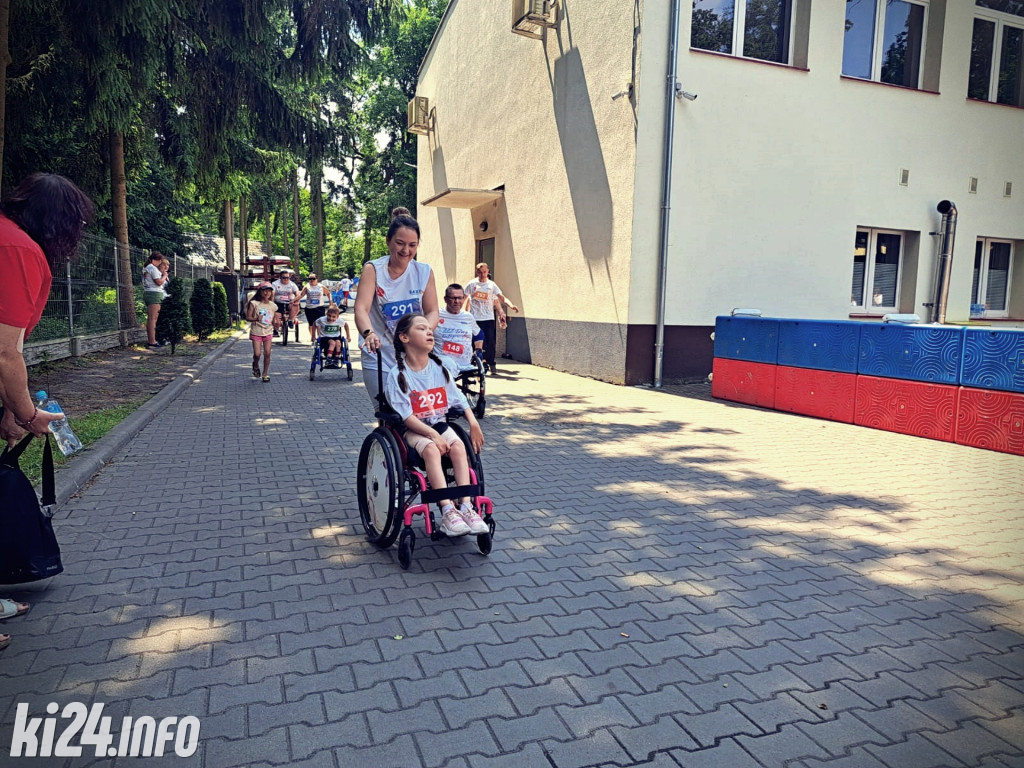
948	231
666	182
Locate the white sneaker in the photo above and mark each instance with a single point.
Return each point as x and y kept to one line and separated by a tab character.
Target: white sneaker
452	523
473	521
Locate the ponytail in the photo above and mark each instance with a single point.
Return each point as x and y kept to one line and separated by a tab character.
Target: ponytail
433	356
400	361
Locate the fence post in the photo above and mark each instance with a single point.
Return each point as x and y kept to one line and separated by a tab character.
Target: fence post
71	304
117	288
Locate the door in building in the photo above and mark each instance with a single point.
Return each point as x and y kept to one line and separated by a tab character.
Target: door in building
485	253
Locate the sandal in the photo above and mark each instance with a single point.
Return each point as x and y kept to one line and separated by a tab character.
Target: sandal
10	608
266	379
5	640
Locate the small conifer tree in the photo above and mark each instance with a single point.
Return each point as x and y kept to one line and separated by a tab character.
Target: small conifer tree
173	321
221	316
201	305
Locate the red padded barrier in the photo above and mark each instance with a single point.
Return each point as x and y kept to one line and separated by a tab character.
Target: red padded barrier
743	382
908	407
824	394
990	419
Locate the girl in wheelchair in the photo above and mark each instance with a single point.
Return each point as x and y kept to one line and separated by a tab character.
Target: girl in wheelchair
421	390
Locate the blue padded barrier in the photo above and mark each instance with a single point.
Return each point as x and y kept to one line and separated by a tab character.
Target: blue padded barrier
755	339
914	352
993	359
827	345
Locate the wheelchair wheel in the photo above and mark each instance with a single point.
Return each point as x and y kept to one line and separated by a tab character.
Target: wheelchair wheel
406	546
312	365
485	540
473	387
284	332
379	488
474	458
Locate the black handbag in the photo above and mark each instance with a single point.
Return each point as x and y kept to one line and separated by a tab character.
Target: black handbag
28	546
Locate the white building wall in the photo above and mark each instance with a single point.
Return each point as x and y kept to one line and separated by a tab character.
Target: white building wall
775	168
536	117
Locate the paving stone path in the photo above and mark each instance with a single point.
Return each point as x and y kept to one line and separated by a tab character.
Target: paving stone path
675	581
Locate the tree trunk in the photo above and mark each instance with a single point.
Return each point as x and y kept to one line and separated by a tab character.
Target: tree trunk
5	59
119	214
284	229
316	214
229	234
243	233
268	231
367	241
295	214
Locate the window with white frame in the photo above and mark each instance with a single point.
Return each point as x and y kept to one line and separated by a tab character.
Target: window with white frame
997	52
885	40
754	29
877	269
990	289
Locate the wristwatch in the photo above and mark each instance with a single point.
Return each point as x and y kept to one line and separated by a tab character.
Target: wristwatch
367	332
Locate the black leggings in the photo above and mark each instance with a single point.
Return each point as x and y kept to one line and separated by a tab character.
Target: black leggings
487	327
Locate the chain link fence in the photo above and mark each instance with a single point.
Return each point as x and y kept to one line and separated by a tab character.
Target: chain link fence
85	299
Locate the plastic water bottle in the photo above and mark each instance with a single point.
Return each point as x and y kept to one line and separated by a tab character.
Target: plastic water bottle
67	441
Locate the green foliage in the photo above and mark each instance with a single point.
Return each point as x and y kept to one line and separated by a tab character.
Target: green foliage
221	315
174	322
201	307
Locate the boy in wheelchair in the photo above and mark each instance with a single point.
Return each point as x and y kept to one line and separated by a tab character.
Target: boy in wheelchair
330	327
421	390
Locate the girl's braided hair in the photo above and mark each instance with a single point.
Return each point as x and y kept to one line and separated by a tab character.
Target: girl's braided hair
403	327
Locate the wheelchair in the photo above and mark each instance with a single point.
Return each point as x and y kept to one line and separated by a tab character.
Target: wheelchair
472	381
321	360
391	476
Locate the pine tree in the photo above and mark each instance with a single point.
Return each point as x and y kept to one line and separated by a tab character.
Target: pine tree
201	306
221	316
173	321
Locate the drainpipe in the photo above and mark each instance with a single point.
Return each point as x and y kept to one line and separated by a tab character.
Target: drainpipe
948	210
666	184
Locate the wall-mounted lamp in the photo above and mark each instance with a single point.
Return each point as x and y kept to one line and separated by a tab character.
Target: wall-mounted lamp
483	226
680	93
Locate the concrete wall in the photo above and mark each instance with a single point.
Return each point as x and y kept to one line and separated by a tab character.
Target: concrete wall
536	118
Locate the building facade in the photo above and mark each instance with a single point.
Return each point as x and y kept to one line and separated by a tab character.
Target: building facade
805	174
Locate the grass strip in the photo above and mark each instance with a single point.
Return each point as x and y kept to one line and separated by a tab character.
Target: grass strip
89	429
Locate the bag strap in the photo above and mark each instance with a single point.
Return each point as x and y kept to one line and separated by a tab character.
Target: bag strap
10	455
49	497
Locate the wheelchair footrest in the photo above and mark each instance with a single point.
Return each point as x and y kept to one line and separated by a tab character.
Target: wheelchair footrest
451	492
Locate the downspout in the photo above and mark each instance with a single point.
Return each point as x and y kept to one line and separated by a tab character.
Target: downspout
948	210
670	123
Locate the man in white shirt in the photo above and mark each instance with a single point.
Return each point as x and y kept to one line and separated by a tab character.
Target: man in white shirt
346	286
454	336
286	294
483	297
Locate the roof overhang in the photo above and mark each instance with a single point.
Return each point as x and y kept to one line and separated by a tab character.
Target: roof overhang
463	198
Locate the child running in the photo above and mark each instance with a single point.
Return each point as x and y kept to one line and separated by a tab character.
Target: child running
261	313
330	327
420	389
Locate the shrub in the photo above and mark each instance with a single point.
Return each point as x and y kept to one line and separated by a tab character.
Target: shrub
173	321
221	316
201	306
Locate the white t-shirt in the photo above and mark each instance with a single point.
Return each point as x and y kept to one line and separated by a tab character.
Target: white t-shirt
284	293
150	274
428	397
394	299
453	338
314	295
482	297
328	329
346	284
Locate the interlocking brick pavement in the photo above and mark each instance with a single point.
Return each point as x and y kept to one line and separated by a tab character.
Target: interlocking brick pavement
675	581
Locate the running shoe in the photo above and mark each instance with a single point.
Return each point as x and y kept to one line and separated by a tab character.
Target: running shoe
472	519
452	523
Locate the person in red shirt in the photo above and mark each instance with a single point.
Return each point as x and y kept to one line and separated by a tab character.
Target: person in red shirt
41	225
